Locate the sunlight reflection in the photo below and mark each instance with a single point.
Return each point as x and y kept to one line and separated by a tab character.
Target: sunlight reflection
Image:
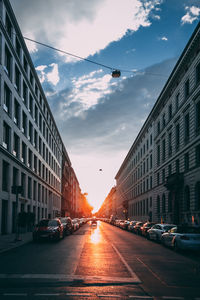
95	235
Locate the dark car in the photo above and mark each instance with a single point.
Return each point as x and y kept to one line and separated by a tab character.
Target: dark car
146	226
67	224
51	229
136	228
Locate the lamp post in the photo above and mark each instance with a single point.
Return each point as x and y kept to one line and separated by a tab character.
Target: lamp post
17	189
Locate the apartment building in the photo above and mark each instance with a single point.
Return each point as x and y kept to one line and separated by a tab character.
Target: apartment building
30	143
159	179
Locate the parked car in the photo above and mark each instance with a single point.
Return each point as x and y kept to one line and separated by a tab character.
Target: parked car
156	231
182	238
136	228
75	224
145	227
131	225
67	224
51	229
121	223
125	224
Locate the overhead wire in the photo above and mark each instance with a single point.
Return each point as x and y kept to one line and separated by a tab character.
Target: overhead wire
91	61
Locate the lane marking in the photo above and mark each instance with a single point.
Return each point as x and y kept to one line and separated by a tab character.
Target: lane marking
141	297
133	275
38	294
70	278
83	295
111	296
163	282
15	294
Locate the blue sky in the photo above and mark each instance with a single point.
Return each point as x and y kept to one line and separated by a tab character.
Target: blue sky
99	116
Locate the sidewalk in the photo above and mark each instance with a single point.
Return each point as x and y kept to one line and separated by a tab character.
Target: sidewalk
8	242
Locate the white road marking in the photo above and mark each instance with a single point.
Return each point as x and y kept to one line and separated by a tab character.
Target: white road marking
83	295
111	296
133	275
141	297
15	294
38	294
71	277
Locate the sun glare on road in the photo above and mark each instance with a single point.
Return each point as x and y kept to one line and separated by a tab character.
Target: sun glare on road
95	235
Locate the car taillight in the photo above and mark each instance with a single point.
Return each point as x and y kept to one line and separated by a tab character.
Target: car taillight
184	237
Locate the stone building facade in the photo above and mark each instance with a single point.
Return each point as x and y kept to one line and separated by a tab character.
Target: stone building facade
160	176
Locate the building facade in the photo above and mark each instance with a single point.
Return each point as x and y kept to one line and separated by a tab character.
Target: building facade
31	148
159	179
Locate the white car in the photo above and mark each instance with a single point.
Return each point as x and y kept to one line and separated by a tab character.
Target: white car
182	238
157	230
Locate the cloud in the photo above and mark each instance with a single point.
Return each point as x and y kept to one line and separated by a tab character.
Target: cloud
115	118
163	38
82	27
191	15
51	76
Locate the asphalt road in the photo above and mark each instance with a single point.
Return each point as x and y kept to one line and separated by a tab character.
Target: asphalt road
99	263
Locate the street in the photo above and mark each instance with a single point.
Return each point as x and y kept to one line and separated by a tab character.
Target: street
105	262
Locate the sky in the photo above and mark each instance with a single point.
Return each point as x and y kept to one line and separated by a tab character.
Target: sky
99	116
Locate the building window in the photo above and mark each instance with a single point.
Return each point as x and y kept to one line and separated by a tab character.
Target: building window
170	202
177	101
187	198
6	136
25	93
5	176
15	145
7	99
163	121
31	78
25	65
151	161
163	150
158	205
187	127
198	74
151	182
158	127
30	158
187	88
169	170
24	123
158	155
170	144
24	152
197	155
40	122
29	187
15	176
158	178
151	139
170	112
163	204
30	132
18	47
34	189
35	139
197	195
177	166
36	114
163	175
0	47
23	184
8	62
35	164
8	26
17	79
17	113
39	192
31	104
177	136
186	161
198	117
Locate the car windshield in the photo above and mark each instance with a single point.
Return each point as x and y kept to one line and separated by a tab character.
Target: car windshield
43	223
168	227
53	223
63	220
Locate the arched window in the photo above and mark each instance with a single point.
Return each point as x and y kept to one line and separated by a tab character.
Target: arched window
158	204
197	195
163	203
170	202
187	198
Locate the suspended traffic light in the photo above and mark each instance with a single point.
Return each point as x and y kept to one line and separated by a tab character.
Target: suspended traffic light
116	73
